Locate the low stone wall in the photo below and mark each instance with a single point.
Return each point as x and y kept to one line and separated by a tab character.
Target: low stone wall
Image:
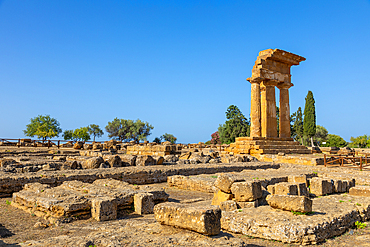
290	159
10	183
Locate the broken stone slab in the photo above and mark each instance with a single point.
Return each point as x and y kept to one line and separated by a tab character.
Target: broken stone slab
220	197
228	205
360	191
104	208
225	181
144	203
246	191
290	203
205	220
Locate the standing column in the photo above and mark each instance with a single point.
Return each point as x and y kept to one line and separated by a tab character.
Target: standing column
255	109
284	119
268	109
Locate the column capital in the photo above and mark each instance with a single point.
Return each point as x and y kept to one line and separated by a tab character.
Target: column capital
255	80
267	83
285	85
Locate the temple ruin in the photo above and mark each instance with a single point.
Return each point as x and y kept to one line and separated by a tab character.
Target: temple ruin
271	69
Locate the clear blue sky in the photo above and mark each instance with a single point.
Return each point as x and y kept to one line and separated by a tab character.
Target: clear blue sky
177	64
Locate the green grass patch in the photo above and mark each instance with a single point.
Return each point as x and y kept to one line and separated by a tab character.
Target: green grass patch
8	202
300	213
214	176
341	201
358	204
360	225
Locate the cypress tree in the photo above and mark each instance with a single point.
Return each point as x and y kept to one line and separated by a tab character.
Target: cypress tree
309	120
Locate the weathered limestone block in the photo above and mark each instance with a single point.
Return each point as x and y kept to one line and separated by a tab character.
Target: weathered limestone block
319	186
220	196
360	191
225	181
290	203
246	191
92	163
158	159
228	205
170	158
185	156
298	179
159	194
286	189
302	189
69	164
143	203
112	183
145	160
205	220
128	159
114	161
78	145
104	208
253	204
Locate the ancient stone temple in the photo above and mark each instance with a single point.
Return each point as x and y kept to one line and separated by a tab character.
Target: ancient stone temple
272	69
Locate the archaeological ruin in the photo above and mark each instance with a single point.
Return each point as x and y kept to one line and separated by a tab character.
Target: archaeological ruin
262	187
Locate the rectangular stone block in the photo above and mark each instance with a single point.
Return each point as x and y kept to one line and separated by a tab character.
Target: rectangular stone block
143	203
360	191
290	203
104	208
228	205
302	189
298	179
246	191
225	181
286	189
319	186
219	197
205	220
253	204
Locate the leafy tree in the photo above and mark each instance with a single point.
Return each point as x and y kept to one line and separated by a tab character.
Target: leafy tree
297	127
128	130
169	138
215	138
321	135
68	135
309	120
335	141
81	134
236	125
157	140
95	130
43	127
360	142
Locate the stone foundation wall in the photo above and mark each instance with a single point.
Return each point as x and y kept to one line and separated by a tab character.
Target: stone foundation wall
10	183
